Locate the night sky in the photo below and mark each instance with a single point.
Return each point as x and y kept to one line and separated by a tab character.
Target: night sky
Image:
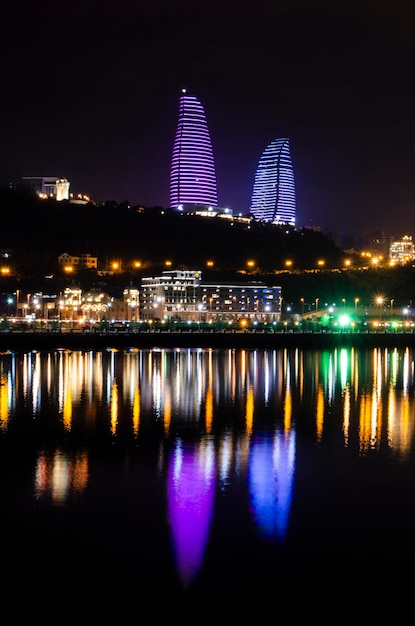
90	92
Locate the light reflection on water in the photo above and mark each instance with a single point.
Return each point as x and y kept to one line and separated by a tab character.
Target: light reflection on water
224	424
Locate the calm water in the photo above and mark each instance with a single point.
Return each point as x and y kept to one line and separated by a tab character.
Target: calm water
178	476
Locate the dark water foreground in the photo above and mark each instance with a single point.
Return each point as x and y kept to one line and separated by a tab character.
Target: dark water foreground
207	484
96	341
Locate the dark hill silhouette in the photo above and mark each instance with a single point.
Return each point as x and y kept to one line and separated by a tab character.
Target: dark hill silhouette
48	228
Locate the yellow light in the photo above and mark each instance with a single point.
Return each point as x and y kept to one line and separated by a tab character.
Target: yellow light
5	271
210	263
168	263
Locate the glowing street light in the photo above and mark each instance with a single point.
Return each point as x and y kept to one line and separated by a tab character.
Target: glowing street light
379	302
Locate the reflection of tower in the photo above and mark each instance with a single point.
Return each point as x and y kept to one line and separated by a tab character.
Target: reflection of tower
190	486
192	174
271	478
273	196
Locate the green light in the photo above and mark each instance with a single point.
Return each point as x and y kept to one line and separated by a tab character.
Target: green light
344	320
325	319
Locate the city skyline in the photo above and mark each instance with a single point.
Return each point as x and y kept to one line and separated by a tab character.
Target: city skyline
90	93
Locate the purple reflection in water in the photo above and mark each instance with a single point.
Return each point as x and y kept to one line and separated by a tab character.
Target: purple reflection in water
271	477
191	481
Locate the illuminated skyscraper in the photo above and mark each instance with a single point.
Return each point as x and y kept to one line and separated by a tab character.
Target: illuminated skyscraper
192	174
273	196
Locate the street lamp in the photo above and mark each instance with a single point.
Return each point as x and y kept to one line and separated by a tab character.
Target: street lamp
379	302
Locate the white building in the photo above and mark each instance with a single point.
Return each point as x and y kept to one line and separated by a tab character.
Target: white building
45	186
182	295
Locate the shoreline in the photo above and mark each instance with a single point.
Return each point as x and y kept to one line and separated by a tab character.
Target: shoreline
36	341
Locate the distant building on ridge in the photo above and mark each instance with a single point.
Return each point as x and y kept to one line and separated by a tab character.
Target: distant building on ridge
402	251
273	196
44	186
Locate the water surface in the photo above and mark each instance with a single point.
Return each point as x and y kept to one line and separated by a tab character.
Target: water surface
192	475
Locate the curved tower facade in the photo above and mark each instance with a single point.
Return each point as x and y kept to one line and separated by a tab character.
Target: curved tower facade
273	196
192	173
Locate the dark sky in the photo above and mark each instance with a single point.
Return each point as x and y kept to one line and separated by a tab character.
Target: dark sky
90	92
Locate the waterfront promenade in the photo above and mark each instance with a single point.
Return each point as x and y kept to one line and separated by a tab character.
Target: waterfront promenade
28	341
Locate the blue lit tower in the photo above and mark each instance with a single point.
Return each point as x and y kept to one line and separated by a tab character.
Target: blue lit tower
273	196
192	174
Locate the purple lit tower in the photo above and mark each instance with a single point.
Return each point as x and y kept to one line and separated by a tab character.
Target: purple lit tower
273	196
192	174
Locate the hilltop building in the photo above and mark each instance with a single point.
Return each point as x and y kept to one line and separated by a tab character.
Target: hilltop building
402	251
192	175
273	196
44	186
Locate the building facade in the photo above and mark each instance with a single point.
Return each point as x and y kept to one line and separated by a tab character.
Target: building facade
273	197
181	295
84	261
402	251
174	296
44	186
192	174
